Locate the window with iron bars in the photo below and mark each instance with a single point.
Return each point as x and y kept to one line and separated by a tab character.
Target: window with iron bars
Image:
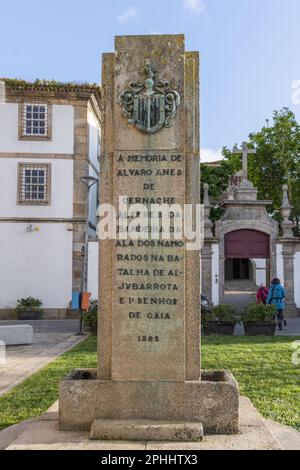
35	120
34	183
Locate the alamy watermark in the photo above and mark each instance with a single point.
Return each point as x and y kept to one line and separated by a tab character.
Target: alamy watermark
296	353
2	92
2	353
152	221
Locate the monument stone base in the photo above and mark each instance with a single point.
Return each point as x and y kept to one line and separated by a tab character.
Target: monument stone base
255	433
145	430
85	401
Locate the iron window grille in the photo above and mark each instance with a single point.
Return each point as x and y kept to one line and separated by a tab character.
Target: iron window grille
34	184
35	120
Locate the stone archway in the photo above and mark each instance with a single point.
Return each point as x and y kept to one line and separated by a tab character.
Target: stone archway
264	233
245	251
243	214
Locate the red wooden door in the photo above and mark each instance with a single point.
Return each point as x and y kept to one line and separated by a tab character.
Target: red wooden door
247	244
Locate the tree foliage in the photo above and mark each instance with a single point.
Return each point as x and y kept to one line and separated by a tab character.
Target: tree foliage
38	84
218	177
277	162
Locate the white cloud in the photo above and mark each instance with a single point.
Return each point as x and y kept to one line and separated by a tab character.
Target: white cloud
127	15
196	6
210	155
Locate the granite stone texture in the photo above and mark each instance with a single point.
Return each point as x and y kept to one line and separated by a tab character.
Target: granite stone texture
145	430
16	334
149	293
213	401
42	434
149	296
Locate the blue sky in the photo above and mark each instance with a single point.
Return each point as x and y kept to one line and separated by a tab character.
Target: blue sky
249	50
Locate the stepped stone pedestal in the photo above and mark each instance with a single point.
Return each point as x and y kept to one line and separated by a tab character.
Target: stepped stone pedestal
148	383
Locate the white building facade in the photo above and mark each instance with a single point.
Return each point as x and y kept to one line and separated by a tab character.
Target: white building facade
49	140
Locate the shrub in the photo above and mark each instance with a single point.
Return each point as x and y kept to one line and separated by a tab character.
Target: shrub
221	313
256	313
28	304
91	317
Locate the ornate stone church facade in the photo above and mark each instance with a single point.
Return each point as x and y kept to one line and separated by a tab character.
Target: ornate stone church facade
245	248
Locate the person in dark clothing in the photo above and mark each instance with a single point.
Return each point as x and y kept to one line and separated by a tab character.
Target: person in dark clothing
276	297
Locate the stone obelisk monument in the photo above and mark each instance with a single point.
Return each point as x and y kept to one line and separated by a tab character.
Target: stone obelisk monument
153	160
148	384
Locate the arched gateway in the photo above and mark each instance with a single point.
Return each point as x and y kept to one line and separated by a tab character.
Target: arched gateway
247	255
244	248
240	252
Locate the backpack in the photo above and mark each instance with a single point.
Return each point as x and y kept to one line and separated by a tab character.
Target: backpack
263	291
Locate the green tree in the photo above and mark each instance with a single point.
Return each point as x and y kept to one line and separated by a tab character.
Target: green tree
277	161
218	177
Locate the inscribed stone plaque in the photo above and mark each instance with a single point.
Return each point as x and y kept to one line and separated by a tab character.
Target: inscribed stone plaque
148	285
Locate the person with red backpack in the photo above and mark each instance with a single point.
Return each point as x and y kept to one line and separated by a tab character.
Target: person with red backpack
262	294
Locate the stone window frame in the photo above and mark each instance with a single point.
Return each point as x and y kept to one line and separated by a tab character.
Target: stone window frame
33	202
21	124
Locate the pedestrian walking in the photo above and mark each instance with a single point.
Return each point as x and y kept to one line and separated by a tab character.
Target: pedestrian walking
276	297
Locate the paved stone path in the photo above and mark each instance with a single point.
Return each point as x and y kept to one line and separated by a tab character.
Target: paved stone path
51	338
288	437
239	299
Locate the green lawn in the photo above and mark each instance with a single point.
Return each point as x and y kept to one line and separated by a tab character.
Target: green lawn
36	394
261	365
264	370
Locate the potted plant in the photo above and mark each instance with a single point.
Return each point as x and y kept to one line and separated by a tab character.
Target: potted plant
91	317
220	321
29	308
259	319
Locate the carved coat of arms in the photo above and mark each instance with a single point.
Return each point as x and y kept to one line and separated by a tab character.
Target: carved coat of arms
150	105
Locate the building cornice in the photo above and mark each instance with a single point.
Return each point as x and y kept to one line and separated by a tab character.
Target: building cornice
228	203
36	156
20	89
43	220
